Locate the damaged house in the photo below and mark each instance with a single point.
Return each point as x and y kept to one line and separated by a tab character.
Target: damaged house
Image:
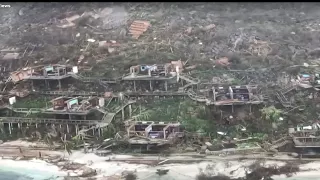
46	73
74	106
155	70
229	95
306	136
156	75
153	131
232	95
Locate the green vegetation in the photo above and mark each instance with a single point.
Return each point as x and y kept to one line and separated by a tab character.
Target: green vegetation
271	114
191	115
31	102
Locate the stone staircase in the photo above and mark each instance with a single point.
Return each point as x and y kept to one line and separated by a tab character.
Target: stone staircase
283	100
109	116
265	97
8	80
288	89
101	110
192	95
191	81
280	94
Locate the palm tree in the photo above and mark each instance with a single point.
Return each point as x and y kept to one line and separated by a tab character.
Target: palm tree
50	135
143	116
2	131
271	113
48	139
82	137
67	144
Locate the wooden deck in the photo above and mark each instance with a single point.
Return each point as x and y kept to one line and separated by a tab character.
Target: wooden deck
49	77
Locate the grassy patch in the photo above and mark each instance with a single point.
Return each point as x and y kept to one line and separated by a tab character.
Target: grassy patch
32	102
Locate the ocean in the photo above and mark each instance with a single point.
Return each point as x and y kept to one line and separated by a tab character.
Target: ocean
29	170
10	175
298	178
26	175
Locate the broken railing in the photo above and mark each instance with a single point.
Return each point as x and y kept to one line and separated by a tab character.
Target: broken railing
302	141
46	120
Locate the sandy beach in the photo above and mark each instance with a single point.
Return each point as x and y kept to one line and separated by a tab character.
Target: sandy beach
115	165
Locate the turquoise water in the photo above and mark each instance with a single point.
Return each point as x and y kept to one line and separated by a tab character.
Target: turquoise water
27	171
298	178
9	175
13	175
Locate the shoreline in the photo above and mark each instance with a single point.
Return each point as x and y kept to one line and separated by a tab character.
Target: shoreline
79	165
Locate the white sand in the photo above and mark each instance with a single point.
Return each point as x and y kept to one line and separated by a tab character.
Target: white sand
179	171
107	168
22	143
104	168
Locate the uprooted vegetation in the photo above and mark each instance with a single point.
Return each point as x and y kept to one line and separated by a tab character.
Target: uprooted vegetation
251	36
253	172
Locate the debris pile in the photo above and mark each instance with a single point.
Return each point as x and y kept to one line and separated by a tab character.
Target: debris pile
137	28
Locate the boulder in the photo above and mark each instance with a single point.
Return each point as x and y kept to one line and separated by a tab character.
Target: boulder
294	154
87	172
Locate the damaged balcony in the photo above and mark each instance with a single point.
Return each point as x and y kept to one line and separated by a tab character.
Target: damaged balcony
154	130
73	106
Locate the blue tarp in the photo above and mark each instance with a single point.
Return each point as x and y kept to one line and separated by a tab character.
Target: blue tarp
306	75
